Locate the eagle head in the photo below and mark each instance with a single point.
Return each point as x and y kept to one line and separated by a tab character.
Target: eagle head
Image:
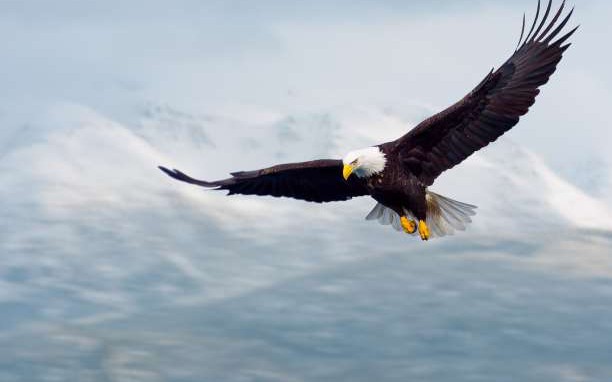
364	162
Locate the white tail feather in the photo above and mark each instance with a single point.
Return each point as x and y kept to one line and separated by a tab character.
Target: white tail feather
444	215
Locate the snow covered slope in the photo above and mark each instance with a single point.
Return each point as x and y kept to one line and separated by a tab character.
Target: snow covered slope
72	162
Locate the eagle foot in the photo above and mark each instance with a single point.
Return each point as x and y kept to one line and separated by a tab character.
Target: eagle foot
423	230
408	225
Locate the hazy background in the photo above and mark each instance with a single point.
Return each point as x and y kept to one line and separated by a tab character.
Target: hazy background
110	271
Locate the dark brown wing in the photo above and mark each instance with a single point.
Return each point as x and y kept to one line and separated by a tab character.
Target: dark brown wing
492	108
315	181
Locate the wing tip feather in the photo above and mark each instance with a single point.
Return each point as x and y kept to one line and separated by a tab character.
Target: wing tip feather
181	176
522	33
535	21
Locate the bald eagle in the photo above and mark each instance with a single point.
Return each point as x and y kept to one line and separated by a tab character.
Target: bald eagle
397	174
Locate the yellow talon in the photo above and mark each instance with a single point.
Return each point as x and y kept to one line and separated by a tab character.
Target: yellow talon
409	226
423	230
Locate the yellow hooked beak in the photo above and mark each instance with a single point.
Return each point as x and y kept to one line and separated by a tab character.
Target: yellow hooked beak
347	171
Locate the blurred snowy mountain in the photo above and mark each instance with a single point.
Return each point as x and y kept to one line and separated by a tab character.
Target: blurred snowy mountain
82	160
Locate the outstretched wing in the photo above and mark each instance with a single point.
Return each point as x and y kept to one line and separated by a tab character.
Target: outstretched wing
492	108
315	181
